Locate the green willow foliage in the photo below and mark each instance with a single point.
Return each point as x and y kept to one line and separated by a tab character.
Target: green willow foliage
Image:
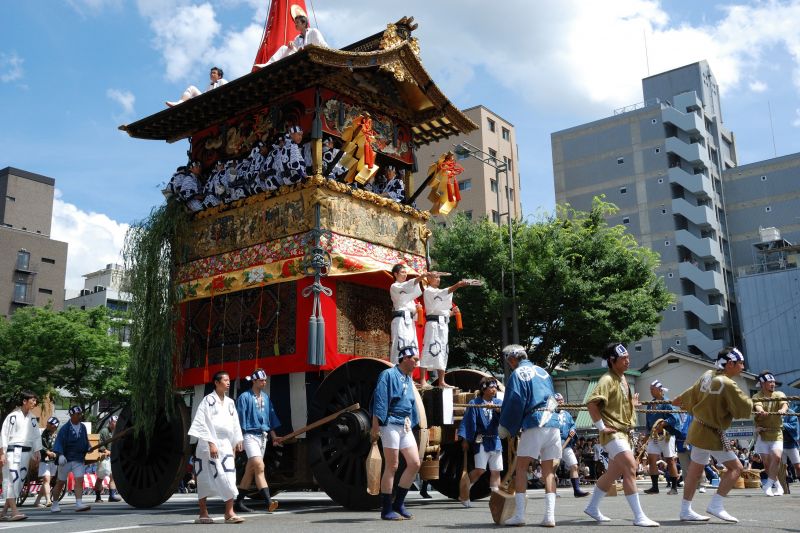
152	251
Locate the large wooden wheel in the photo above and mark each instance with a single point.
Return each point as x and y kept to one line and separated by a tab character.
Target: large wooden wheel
338	450
147	475
468	379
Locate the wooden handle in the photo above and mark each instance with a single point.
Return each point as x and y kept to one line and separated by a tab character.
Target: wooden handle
566	442
512	463
320	422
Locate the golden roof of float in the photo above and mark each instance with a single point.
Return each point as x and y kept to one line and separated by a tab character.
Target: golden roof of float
382	71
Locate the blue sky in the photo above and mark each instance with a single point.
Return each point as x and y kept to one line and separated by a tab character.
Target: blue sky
72	71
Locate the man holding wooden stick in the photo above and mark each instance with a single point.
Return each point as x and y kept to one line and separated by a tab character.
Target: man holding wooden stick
568	434
478	431
769	443
662	427
528	405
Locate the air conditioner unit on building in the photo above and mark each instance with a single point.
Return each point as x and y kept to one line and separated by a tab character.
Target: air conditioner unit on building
98	288
769	234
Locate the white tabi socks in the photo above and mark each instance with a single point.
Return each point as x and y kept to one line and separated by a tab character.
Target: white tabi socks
688	515
639	518
716	508
593	509
519	514
549	519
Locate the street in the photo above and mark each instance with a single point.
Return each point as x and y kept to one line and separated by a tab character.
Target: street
313	511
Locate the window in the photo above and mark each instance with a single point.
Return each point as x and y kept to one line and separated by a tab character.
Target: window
674	307
670	275
20	292
493	185
506	134
495	217
663	211
48	260
465	185
626	220
45	291
468	214
768	209
660	180
623	190
620	160
23	259
678	342
490	123
666	243
508	163
511	195
492	153
763	178
637	348
653	121
657	150
11	198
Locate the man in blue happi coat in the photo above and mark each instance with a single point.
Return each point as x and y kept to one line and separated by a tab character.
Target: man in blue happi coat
662	437
528	405
72	445
394	414
568	434
478	431
258	421
791	437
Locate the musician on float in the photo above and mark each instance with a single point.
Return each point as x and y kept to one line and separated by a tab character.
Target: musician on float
662	438
769	442
568	434
713	401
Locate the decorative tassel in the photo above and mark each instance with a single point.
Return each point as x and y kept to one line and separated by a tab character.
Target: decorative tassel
420	315
457	316
320	339
312	340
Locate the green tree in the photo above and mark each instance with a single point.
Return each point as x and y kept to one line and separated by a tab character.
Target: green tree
71	350
580	283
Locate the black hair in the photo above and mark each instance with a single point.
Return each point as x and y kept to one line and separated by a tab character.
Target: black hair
397	268
218	375
219	71
27	395
610	351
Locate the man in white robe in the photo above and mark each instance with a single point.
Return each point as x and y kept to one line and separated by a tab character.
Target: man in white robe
307	36
435	350
404	310
19	441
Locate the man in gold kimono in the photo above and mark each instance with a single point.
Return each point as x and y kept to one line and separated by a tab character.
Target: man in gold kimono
769	443
714	401
612	406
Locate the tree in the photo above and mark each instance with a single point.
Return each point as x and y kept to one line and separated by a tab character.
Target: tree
71	350
580	284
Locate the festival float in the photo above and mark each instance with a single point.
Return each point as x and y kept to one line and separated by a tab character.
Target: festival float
291	278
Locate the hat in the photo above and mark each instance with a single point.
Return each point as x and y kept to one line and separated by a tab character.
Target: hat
53	420
726	356
297	11
114	418
766	377
558	397
295	129
258	374
657	384
75	410
407	351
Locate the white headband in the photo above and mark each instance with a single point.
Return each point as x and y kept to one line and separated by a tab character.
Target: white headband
766	377
258	374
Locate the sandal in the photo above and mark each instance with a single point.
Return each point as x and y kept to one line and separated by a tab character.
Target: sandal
18	517
204	520
234	520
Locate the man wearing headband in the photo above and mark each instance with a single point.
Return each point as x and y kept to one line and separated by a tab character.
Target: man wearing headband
478	431
435	350
657	445
567	428
72	445
19	444
528	405
307	36
403	293
769	442
258	420
104	464
713	401
394	414
612	407
791	437
219	437
47	463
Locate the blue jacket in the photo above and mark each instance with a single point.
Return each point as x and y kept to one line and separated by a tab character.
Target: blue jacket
73	447
682	432
791	428
567	424
475	422
529	387
672	422
255	420
394	400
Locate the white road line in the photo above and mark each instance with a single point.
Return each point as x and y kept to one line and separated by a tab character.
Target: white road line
111	529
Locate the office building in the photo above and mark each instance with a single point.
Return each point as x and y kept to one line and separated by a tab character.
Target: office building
32	265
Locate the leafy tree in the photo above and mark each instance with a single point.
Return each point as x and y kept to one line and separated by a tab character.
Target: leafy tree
71	350
580	284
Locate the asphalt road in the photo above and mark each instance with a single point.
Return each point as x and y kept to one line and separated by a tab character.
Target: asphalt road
312	511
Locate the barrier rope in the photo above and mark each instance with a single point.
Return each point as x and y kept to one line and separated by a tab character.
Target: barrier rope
582	407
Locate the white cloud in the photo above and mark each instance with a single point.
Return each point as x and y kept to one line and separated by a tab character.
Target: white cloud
93	7
94	239
796	121
10	67
126	99
757	86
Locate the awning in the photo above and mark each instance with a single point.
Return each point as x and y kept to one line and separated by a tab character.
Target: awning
583	420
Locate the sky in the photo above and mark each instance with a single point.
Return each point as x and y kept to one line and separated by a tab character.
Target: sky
72	71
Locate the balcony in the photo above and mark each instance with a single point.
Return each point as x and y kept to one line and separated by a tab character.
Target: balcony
688	122
704	248
28	267
697	184
712	315
710	347
701	215
694	153
708	280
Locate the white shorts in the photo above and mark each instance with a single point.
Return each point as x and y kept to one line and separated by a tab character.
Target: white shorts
665	447
701	456
768	446
104	468
493	459
254	445
568	457
395	437
76	468
49	469
793	454
616	446
540	443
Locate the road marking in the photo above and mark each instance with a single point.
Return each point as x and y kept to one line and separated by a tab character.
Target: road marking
111	529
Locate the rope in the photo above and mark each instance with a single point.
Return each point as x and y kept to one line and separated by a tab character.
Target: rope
581	407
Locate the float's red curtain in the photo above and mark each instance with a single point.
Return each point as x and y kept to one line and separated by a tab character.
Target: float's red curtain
278	30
